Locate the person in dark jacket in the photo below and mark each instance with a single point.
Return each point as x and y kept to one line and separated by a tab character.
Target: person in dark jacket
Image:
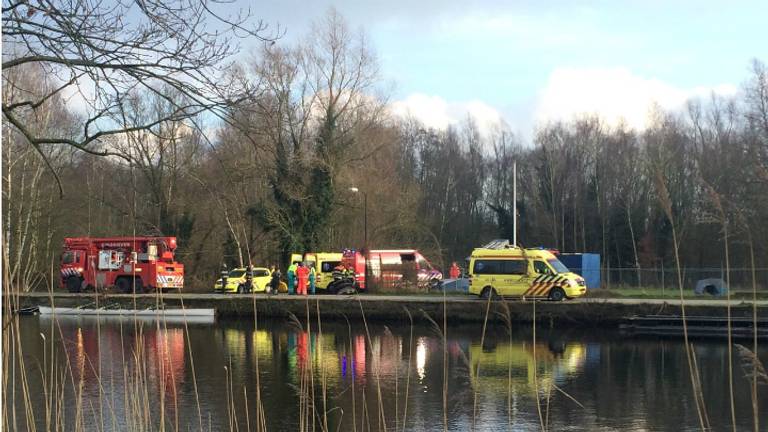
274	283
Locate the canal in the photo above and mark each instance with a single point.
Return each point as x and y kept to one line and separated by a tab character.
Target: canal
89	374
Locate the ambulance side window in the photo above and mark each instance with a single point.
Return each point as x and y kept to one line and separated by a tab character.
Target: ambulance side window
487	267
514	267
328	266
541	268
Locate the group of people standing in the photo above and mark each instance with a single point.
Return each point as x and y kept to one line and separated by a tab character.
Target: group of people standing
300	276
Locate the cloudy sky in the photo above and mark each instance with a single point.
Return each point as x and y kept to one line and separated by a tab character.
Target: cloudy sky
528	62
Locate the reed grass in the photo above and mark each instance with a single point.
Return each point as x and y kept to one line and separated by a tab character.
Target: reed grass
60	377
666	205
315	402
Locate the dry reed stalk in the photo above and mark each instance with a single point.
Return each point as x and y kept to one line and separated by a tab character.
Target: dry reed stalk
309	369
351	362
507	318
260	414
227	391
741	218
666	205
477	368
546	411
536	371
247	414
388	336
722	218
365	418
323	378
408	374
192	367
751	362
755	410
381	416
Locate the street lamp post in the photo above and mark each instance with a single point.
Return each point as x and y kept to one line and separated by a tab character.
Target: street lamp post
365	228
365	215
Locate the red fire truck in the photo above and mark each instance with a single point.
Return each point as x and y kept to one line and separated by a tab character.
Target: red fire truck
131	264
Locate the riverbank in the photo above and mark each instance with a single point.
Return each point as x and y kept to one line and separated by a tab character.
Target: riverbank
581	312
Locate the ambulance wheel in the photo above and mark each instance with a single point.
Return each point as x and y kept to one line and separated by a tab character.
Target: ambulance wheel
489	292
557	294
74	284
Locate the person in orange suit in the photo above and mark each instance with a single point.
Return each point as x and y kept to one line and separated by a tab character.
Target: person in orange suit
302	274
454	271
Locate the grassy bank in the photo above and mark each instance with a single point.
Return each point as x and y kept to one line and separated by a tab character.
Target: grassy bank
659	293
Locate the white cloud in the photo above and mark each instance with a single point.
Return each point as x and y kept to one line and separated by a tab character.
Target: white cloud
614	94
436	112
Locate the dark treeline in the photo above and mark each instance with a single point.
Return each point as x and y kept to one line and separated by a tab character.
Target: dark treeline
276	176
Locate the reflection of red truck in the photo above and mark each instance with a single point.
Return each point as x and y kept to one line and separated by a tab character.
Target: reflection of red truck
392	268
128	263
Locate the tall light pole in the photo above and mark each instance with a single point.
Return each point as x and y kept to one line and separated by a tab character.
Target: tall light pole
365	229
365	215
514	203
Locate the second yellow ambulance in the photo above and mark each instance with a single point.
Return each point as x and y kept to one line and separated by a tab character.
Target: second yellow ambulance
512	271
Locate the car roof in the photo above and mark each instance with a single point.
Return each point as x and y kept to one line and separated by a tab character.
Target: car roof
244	269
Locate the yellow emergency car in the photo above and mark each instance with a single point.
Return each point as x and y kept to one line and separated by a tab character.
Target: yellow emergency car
236	280
323	263
517	272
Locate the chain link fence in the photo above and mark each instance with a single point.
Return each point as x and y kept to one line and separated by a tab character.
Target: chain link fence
741	279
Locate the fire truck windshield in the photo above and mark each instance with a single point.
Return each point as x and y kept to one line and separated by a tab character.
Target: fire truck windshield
68	257
423	263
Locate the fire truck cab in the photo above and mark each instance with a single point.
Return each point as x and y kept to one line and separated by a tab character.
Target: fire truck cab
131	264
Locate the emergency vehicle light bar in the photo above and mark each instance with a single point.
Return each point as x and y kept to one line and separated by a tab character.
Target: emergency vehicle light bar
496	244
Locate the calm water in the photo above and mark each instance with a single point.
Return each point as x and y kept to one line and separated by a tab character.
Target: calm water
615	382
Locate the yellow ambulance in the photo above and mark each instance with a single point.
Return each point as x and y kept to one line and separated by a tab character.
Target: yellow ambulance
516	272
323	263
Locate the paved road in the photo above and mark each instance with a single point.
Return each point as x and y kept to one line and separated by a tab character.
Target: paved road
406	298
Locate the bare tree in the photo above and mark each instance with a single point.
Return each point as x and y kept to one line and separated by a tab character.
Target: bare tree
28	193
319	98
100	52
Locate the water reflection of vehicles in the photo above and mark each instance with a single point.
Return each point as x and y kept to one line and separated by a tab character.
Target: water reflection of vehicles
525	365
149	360
240	342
